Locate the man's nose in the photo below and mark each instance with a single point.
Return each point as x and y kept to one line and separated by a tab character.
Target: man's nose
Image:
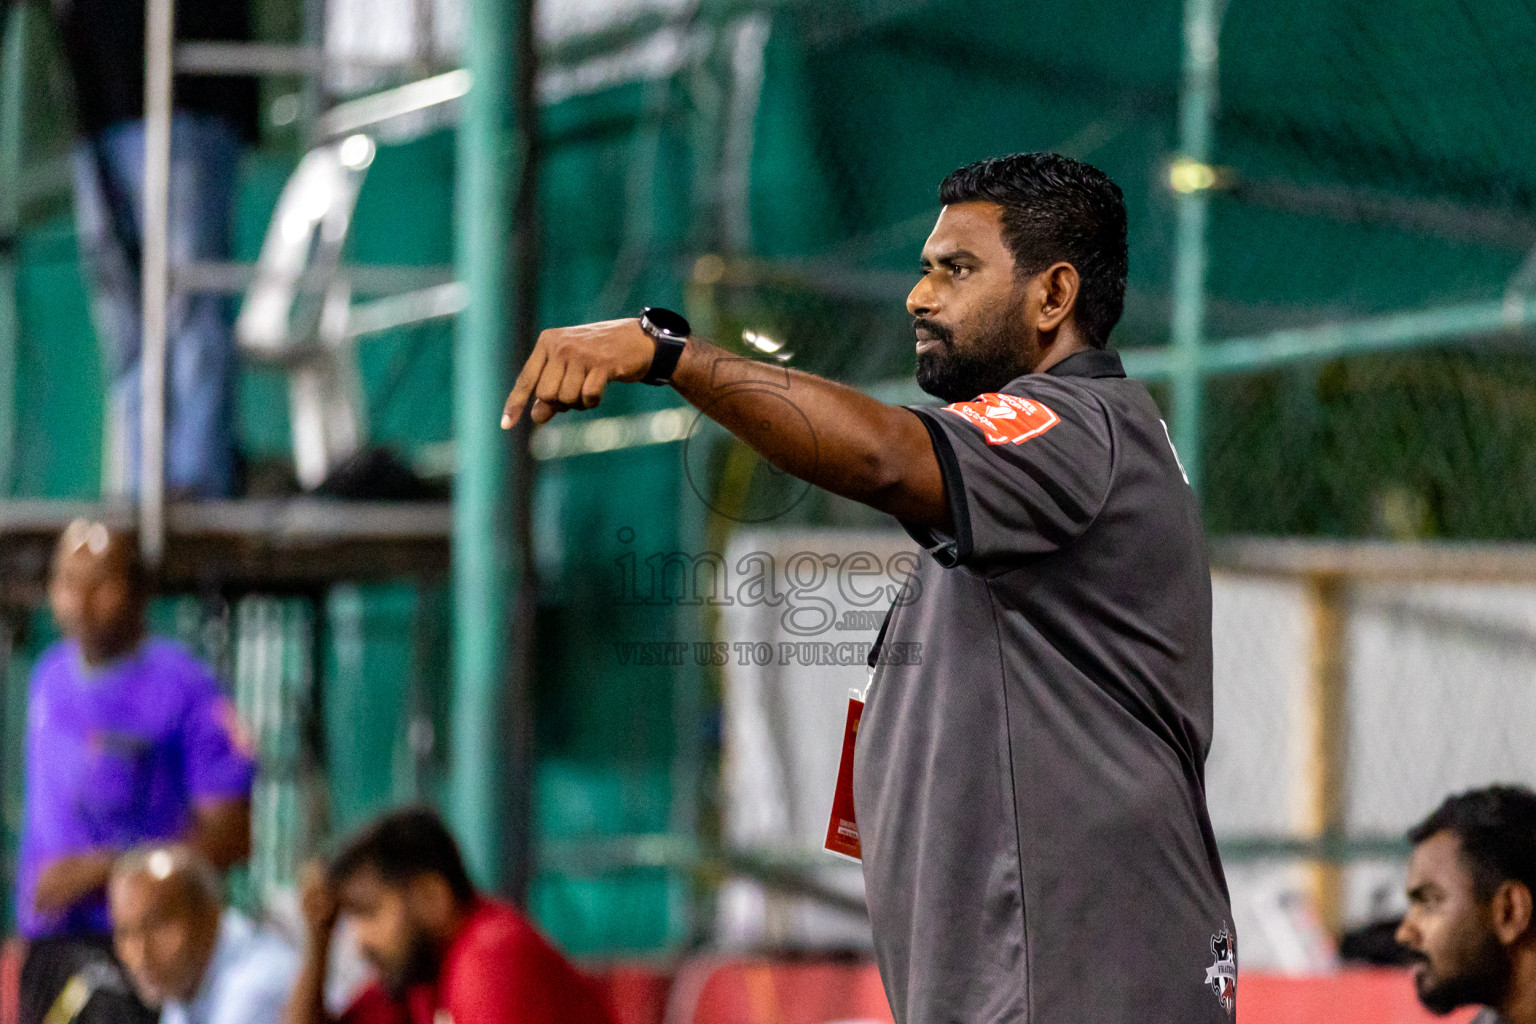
921	300
1407	934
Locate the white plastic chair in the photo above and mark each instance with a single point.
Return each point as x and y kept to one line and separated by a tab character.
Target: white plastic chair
296	310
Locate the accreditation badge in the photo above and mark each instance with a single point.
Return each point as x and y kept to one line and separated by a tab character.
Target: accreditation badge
843	829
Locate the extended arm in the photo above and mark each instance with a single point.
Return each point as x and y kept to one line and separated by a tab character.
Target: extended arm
221	831
815	429
65	881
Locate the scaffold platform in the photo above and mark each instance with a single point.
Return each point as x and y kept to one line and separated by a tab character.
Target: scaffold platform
271	545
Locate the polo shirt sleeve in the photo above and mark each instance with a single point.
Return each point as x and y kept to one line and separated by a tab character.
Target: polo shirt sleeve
49	828
47	819
219	758
1026	471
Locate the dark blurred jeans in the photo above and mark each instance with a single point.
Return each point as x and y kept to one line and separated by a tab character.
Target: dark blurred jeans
200	365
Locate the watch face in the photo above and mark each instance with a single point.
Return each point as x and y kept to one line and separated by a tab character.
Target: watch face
667	322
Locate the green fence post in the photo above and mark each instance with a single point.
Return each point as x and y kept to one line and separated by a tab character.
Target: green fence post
1191	177
484	574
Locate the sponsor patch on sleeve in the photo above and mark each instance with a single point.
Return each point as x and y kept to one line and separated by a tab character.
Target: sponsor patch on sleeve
1005	419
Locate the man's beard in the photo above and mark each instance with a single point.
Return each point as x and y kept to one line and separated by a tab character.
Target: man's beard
1001	349
420	966
1481	978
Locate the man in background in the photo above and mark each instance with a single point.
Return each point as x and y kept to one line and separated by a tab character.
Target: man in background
1470	923
439	947
103	42
200	963
129	741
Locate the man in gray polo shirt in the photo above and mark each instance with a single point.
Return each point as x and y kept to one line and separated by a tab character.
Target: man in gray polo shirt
1030	792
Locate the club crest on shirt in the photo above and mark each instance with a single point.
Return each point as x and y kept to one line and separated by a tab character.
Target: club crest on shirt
1221	976
1005	419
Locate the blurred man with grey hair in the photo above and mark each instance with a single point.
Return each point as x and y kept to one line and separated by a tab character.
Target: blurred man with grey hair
201	963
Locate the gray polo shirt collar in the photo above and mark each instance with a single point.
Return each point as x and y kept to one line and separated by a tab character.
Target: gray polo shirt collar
1092	362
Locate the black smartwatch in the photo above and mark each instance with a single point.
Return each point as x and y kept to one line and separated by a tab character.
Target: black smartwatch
670	332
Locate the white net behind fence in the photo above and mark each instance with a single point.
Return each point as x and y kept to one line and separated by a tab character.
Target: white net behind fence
1439	695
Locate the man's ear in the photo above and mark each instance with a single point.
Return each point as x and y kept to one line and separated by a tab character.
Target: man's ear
1058	286
1511	911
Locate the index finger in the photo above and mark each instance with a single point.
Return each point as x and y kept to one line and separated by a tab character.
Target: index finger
522	390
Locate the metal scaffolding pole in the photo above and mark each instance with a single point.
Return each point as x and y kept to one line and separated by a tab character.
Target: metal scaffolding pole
1394	332
13	85
1192	177
518	807
485	576
159	31
312	102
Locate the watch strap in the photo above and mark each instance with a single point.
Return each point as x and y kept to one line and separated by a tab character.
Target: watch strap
664	363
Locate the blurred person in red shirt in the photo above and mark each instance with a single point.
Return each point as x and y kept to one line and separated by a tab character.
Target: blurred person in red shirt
444	953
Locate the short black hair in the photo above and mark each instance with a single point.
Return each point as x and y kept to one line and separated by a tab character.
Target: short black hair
1056	209
1496	827
403	845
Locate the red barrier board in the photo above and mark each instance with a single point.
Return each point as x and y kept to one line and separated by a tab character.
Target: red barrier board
1349	997
635	993
763	990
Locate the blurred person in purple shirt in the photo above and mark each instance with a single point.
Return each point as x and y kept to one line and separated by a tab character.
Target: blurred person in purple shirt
129	741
